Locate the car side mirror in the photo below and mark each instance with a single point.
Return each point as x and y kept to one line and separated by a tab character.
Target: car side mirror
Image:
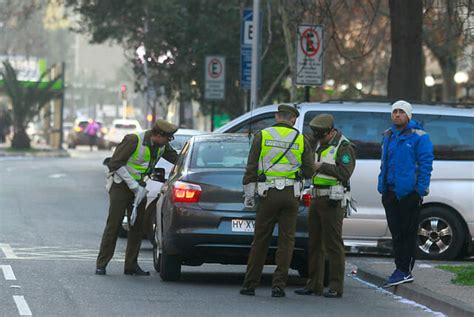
106	161
158	174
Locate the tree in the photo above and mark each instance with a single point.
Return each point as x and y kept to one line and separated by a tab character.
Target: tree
445	34
405	77
27	99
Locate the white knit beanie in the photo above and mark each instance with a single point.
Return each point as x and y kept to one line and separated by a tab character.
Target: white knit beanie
405	106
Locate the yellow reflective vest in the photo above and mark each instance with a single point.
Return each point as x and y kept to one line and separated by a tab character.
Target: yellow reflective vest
328	156
275	141
139	161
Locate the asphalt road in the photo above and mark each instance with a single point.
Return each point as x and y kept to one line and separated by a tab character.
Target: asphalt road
52	214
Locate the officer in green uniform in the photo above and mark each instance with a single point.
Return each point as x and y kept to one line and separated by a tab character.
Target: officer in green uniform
133	158
335	163
277	156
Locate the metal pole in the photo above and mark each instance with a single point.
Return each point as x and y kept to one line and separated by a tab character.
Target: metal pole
306	93
61	115
212	115
255	54
145	68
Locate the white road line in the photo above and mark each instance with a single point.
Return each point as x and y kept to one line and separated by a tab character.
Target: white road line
8	272
22	305
8	251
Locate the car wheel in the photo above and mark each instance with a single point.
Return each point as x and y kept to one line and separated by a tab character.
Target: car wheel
122	233
156	257
304	272
170	267
440	234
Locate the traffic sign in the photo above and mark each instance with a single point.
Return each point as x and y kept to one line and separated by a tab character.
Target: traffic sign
215	77
246	37
309	55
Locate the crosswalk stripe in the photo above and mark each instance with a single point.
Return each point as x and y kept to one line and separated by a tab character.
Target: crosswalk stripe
8	272
22	305
8	251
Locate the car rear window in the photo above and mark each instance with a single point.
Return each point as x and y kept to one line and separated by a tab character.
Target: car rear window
220	154
125	126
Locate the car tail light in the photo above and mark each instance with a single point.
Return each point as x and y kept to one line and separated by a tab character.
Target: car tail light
186	192
306	198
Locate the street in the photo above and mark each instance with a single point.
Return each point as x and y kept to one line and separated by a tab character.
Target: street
52	214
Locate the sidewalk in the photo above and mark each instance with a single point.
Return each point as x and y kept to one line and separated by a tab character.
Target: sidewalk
432	286
37	150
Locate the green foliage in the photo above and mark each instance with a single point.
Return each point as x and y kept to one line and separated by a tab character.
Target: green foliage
27	99
187	31
464	273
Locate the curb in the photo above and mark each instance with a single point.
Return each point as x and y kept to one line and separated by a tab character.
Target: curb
42	154
434	301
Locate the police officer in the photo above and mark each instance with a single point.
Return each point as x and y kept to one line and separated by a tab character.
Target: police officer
277	156
335	163
133	158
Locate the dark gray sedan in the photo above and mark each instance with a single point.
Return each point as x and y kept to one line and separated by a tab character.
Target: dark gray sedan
200	216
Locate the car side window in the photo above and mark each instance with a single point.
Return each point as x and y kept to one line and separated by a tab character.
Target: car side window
364	129
178	168
256	124
452	136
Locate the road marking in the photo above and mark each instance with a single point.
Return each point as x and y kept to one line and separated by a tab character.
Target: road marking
8	251
22	305
8	272
57	175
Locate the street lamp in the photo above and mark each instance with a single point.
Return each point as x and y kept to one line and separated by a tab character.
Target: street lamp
429	81
461	78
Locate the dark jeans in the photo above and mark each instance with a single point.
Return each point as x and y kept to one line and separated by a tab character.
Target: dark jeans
402	218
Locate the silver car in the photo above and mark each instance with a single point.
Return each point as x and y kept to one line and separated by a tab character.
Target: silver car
446	225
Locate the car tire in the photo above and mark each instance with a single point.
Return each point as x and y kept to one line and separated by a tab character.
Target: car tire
156	258
440	234
304	272
170	267
122	233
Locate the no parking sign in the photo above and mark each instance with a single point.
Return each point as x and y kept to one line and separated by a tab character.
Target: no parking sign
309	55
215	77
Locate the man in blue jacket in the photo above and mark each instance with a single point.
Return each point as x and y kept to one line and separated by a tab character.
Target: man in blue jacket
404	179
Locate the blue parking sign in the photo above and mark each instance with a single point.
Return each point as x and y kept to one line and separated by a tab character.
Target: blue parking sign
246	37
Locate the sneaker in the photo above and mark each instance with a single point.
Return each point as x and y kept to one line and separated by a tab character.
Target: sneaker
398	277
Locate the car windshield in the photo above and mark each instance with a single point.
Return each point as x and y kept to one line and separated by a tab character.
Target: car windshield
220	154
179	141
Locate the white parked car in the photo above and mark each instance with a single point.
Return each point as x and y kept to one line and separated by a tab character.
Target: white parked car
446	224
119	129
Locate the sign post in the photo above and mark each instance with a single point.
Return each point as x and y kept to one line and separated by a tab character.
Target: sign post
214	82
309	57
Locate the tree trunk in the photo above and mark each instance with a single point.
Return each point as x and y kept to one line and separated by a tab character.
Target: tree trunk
448	67
289	44
405	72
20	139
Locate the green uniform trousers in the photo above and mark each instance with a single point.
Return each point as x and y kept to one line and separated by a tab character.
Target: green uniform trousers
121	200
325	241
280	206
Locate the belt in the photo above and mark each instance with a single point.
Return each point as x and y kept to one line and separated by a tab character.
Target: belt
280	183
320	192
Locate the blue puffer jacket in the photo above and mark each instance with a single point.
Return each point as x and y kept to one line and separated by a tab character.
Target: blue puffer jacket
413	160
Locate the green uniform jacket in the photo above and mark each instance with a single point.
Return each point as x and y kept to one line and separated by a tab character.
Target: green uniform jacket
128	145
307	159
345	160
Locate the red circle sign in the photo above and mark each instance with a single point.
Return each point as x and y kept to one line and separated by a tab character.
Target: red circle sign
214	68
310	42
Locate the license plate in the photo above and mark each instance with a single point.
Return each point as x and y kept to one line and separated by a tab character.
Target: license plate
242	225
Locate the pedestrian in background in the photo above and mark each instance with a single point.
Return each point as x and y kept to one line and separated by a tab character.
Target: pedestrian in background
91	131
405	172
335	162
277	156
133	159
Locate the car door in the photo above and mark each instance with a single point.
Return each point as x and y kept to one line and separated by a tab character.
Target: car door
364	129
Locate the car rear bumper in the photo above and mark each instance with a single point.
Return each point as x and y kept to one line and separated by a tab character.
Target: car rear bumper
197	235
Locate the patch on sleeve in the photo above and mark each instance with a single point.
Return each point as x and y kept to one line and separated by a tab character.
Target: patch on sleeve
346	159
